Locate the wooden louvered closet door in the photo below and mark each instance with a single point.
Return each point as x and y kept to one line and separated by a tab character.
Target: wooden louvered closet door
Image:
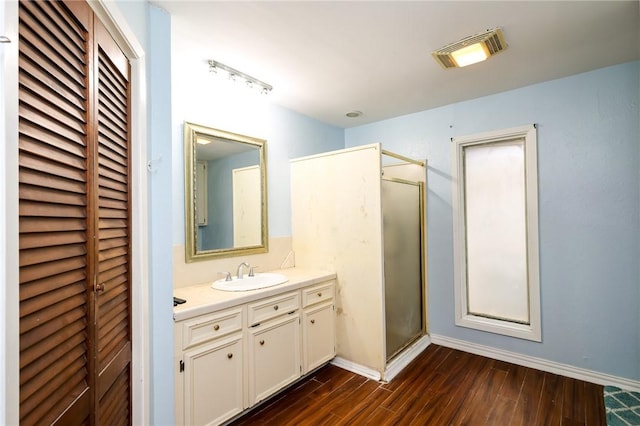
75	251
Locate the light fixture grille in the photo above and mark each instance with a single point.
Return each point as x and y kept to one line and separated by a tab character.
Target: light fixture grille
493	40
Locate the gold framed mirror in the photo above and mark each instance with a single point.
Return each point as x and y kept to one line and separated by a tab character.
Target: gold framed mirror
225	193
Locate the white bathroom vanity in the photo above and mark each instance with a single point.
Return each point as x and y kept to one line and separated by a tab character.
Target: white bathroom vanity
234	349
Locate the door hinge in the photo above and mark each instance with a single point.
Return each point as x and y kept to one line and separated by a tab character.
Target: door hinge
181	366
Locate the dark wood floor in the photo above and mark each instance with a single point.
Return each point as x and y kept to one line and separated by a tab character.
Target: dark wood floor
441	387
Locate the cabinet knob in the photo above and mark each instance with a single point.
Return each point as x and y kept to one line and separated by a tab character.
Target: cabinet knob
261	342
216	327
319	294
229	355
275	308
313	321
100	288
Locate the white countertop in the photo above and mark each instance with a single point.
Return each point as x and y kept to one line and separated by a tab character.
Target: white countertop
202	299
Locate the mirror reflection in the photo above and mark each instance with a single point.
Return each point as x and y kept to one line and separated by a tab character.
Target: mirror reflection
226	193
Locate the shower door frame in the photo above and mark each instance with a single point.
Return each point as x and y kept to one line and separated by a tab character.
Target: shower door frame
423	278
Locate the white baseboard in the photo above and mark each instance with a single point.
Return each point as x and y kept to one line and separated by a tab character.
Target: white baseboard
360	369
392	369
405	357
537	363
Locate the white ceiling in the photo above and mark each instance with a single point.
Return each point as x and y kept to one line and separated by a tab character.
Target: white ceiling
327	58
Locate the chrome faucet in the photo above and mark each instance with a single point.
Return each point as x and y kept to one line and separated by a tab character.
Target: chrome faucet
239	272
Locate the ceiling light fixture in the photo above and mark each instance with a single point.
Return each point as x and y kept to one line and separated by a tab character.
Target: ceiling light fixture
471	50
234	74
354	114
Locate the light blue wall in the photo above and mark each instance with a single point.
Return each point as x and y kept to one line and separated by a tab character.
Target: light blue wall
292	135
160	202
589	210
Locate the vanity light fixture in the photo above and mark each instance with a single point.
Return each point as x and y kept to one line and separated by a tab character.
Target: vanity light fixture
234	74
471	50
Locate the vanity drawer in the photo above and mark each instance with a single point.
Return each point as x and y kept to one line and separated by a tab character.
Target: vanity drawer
317	294
211	326
266	309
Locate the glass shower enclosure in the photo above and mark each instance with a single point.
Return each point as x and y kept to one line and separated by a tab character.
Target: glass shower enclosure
402	215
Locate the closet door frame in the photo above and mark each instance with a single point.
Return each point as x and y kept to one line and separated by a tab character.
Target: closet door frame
117	26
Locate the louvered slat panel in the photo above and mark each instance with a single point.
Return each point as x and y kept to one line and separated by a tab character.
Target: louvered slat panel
36	224
52	162
50	299
62	363
41	127
118	171
35	353
31	76
62	70
42	256
113	240
36	193
50	313
113	213
111	101
112	82
45	180
113	412
113	224
57	20
51	239
114	257
114	156
43	407
33	162
107	193
69	117
49	75
42	286
107	137
113	253
110	178
112	338
51	330
74	343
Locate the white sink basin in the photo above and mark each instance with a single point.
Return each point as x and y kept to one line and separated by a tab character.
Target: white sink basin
247	283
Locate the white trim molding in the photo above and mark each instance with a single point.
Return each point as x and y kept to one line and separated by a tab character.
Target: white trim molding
392	369
398	363
354	367
9	273
537	363
530	328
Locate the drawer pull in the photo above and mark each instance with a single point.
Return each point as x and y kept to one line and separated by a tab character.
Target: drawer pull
229	355
261	342
216	327
319	294
275	308
313	321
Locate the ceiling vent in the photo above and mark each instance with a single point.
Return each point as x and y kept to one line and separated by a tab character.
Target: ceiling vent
470	50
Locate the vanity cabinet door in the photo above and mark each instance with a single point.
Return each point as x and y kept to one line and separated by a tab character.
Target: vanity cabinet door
318	331
274	356
213	381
